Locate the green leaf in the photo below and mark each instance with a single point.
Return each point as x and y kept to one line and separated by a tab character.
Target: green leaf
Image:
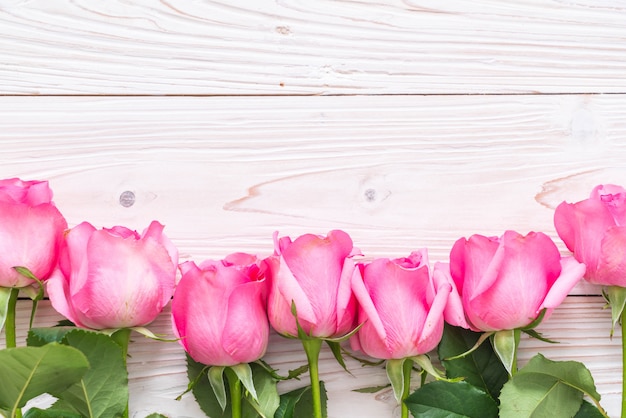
38	337
533	395
5	293
571	373
505	344
49	413
103	390
372	389
441	399
295	373
544	386
587	410
28	372
155	415
288	402
482	368
299	403
537	335
335	347
364	362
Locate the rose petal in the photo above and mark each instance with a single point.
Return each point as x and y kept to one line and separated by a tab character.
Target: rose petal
571	273
246	331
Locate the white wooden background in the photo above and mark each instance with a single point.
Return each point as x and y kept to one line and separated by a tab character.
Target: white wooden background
405	123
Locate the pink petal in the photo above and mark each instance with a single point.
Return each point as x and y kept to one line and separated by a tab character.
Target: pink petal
433	326
344	294
58	291
529	268
614	199
291	291
188	267
454	313
155	231
612	263
246	331
483	274
199	315
29	237
316	263
581	227
366	305
399	296
128	282
571	273
76	241
278	309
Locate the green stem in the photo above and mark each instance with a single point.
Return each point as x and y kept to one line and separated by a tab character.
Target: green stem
517	333
312	349
407	368
623	362
11	340
10	330
122	337
234	384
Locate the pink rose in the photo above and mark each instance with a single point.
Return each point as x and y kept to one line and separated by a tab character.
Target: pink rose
314	273
218	310
400	305
31	231
504	283
595	231
113	278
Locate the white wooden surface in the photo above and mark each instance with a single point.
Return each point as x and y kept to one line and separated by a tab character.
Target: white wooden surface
407	124
319	47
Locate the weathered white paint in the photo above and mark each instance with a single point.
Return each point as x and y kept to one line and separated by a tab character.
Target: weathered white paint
321	47
257	151
396	172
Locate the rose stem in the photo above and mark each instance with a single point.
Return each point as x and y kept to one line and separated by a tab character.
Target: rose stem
312	349
234	385
407	368
122	337
11	340
623	362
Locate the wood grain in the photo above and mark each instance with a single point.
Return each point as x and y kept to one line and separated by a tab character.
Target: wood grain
326	47
397	173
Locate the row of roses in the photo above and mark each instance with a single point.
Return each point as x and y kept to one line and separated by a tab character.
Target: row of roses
313	288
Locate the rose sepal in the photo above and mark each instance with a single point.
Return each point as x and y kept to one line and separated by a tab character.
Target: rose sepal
34	291
395	372
483	337
616	299
505	344
5	296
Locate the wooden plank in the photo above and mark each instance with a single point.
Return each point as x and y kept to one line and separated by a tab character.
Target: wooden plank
397	173
322	47
157	370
